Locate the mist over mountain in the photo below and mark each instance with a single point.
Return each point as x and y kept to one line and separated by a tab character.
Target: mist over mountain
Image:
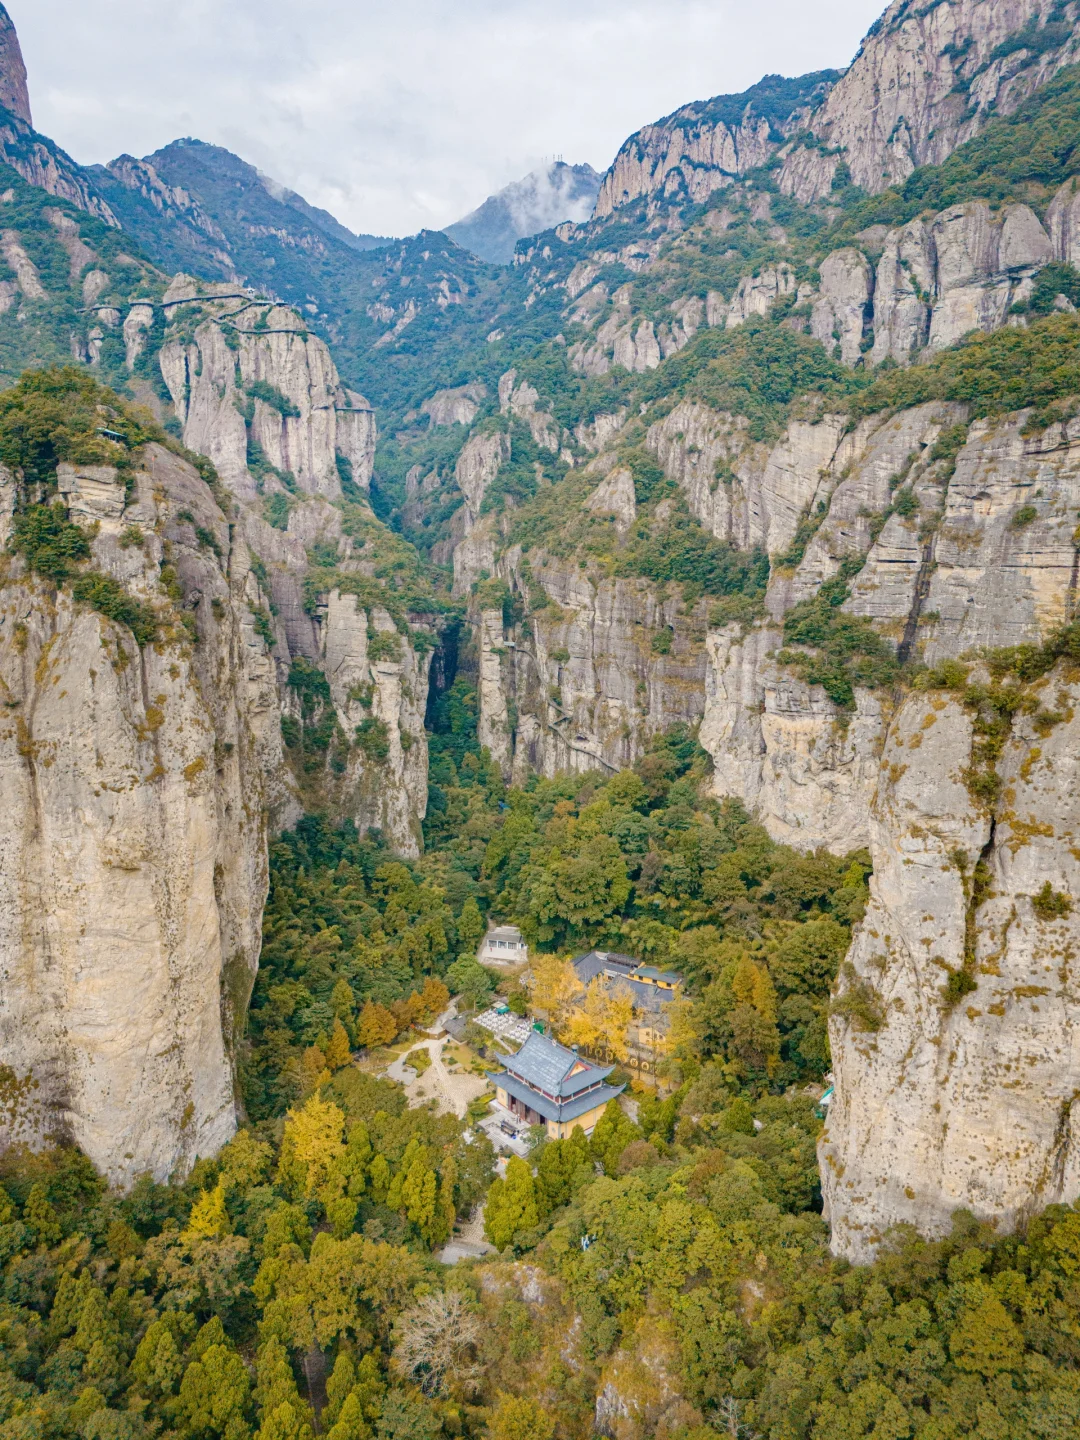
542	200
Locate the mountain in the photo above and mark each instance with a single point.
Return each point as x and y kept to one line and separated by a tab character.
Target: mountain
702	584
201	208
541	201
706	144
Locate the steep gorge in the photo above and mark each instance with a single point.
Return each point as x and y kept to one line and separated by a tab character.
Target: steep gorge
634	527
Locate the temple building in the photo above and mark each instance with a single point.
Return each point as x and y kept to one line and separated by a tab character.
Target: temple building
503	945
652	991
547	1084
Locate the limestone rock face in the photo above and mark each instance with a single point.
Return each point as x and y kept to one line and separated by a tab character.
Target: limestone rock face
587	682
13	92
780	747
938	279
138	784
521	401
42	163
976	1093
615	496
303	420
757	293
894	295
839	316
697	156
477	465
925	80
455	407
385	788
987	580
765	490
1063	223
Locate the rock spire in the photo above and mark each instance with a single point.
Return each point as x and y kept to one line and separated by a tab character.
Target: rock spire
14	95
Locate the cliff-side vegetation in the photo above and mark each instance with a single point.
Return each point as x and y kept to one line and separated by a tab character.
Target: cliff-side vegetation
993	374
677	1262
51	315
1024	156
64	415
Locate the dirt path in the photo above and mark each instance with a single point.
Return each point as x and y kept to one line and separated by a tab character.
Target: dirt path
451	1090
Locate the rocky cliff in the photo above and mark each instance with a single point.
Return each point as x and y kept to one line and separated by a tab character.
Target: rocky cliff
253	381
636	506
926	79
139	782
703	147
255	391
142	779
14	95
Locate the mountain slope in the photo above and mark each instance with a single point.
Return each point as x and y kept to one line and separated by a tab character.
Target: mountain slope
703	146
198	207
541	201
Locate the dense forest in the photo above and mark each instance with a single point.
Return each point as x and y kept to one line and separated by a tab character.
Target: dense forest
291	1286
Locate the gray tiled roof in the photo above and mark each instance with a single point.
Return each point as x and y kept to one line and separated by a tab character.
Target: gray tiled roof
587	967
648	997
545	1064
569	1109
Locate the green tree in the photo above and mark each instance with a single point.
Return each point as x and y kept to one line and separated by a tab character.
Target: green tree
343	1004
350	1422
40	1217
157	1364
469	978
407	1417
471	927
559	1171
511	1204
516	1417
282	1414
986	1339
571	893
338	1052
215	1393
340	1382
613	1132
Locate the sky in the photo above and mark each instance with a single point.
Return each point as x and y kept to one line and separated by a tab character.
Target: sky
397	115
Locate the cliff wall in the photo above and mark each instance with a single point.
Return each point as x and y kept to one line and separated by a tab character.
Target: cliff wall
139	783
926	79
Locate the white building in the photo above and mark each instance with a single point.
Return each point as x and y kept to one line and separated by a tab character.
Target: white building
503	946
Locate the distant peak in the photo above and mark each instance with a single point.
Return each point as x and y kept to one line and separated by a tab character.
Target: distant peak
548	195
14	95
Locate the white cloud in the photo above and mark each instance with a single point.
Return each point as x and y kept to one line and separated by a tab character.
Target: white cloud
400	115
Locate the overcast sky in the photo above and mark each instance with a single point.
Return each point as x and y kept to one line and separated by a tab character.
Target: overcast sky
399	114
